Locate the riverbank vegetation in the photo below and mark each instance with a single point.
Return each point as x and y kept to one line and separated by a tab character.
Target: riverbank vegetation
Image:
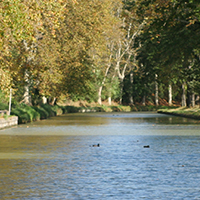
135	53
193	112
28	113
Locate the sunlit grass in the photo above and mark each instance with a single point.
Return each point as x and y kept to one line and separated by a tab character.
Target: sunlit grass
193	112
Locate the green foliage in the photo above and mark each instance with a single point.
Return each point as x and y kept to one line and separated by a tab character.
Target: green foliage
5	117
56	48
43	113
3	106
57	109
25	113
3	101
71	109
49	109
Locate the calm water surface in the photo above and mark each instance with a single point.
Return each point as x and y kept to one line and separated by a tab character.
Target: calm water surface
54	158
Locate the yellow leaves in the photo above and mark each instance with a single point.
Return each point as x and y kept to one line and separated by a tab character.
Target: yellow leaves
157	35
191	22
5	80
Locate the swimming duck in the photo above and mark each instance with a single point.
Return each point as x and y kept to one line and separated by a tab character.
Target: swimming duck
96	145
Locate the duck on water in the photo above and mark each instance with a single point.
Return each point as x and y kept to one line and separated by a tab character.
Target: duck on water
96	145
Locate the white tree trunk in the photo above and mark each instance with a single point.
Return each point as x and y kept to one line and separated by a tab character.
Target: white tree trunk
109	100
53	101
106	74
26	97
156	91
99	95
44	100
170	94
121	90
131	88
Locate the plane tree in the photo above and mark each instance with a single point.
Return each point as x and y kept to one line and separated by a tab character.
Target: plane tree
171	38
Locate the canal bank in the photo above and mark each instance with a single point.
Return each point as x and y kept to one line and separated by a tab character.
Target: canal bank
193	113
8	121
27	113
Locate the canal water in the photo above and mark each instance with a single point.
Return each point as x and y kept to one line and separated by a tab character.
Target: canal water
55	158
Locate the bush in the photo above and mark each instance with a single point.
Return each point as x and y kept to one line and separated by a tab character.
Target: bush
43	113
25	113
49	109
3	106
72	109
23	117
57	109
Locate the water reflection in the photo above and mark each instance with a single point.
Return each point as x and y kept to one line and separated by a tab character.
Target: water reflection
109	124
53	159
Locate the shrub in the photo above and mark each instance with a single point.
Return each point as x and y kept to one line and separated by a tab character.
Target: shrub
57	109
23	117
25	113
49	109
43	113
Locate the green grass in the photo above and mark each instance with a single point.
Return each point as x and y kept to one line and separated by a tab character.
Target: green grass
183	111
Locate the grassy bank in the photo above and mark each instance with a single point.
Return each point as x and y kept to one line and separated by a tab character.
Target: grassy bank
193	113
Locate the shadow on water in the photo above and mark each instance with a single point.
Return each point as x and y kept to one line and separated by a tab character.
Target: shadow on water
55	158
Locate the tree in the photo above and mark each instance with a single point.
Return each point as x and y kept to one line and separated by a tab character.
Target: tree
171	35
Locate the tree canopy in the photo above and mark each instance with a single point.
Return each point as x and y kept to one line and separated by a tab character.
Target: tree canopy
98	49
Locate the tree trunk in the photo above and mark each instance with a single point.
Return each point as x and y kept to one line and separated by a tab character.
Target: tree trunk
197	100
131	89
121	90
144	96
10	102
44	100
156	91
106	74
184	95
144	100
170	94
53	102
26	96
109	100
193	99
99	95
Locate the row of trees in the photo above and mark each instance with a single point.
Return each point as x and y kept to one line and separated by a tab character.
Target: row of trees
171	44
97	49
